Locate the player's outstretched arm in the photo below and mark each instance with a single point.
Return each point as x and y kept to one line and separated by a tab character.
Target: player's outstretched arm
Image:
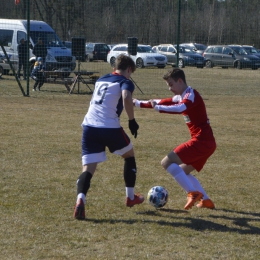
145	103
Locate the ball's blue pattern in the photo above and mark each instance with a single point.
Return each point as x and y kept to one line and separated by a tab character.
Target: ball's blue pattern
157	196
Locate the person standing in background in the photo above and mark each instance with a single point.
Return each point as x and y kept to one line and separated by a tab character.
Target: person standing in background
22	56
40	50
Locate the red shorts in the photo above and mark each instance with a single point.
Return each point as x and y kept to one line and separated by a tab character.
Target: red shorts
195	152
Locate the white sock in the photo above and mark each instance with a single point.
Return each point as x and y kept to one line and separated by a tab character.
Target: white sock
180	176
197	185
81	196
130	193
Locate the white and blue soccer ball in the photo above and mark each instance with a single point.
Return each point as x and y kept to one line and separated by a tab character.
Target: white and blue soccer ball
157	196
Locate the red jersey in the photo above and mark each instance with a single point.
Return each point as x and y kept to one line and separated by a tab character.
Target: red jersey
191	105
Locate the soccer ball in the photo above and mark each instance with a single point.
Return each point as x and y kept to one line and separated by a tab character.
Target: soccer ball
157	196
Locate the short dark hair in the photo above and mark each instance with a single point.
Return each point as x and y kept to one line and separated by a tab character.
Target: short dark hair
123	62
40	39
175	74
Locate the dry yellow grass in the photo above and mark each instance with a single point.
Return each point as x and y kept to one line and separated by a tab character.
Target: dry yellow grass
40	160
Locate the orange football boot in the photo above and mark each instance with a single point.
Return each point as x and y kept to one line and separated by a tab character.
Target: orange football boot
206	204
192	198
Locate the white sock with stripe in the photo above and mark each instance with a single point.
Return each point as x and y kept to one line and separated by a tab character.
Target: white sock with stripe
130	192
81	196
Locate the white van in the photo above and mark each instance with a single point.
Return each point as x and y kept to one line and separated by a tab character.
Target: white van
58	57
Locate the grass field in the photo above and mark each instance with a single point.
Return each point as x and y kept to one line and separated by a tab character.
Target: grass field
40	158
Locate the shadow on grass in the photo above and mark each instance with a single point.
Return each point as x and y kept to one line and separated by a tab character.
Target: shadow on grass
65	91
157	212
240	225
255	214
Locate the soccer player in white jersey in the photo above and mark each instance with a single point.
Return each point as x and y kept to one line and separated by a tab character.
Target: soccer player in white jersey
101	129
193	154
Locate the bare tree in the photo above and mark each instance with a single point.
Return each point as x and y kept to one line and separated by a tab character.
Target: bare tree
151	21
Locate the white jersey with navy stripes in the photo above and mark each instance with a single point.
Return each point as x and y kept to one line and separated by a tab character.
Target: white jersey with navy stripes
106	104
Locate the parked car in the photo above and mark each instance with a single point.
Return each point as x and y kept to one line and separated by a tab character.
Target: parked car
111	46
187	57
58	57
198	47
96	51
246	60
230	56
251	50
145	56
4	66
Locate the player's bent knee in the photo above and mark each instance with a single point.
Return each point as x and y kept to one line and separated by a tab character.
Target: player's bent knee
165	163
128	154
169	159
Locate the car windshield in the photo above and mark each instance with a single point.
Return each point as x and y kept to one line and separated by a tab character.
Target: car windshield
200	47
250	49
239	50
50	39
145	49
186	50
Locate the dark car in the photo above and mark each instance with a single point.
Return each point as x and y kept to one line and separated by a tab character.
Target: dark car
230	56
96	51
197	47
187	57
251	50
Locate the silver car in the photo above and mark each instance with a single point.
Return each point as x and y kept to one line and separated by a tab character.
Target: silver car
145	56
4	66
187	57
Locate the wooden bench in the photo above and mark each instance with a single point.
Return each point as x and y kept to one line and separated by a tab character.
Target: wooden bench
57	77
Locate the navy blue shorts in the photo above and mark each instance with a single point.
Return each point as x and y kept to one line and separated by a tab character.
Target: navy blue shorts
95	140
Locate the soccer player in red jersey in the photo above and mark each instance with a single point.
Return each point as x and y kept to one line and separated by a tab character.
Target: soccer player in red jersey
193	154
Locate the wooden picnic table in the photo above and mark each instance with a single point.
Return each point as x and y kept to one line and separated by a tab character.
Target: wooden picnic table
85	77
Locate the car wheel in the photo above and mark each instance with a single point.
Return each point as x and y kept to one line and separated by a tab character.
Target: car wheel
239	65
1	71
112	61
181	63
209	64
139	63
